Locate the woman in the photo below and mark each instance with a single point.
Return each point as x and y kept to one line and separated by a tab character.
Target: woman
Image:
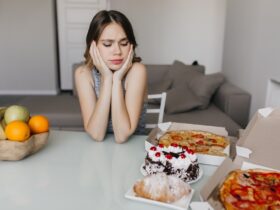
111	84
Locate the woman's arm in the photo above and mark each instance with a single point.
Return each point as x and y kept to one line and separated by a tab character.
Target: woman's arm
126	109
95	112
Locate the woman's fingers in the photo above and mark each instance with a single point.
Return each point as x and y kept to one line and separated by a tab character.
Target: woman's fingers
100	58
131	55
93	54
128	61
98	61
100	64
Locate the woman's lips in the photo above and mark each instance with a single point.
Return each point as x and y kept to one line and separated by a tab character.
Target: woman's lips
116	61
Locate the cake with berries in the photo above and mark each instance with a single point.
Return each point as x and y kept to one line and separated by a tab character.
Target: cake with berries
172	160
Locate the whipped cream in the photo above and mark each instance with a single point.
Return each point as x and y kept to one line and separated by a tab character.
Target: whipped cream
157	153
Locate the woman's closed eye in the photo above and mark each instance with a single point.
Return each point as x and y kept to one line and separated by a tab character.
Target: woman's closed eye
124	43
107	44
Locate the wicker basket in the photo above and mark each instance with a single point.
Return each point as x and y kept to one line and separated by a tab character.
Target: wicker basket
14	150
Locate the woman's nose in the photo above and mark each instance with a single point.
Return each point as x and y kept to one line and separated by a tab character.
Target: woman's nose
117	49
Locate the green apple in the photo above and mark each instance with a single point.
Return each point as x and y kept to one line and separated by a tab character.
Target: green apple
16	112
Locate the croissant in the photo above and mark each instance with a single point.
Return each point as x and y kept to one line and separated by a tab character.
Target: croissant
161	187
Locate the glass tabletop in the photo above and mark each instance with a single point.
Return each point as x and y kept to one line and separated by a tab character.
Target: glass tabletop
75	172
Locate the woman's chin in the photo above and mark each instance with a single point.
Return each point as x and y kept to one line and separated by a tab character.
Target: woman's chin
115	67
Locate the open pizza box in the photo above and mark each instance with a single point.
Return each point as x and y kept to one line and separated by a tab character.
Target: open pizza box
258	147
162	128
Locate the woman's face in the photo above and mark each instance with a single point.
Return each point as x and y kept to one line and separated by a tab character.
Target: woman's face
113	46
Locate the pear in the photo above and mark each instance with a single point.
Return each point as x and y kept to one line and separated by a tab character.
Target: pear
2	133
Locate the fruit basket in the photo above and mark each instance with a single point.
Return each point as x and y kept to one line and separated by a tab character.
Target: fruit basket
21	134
15	150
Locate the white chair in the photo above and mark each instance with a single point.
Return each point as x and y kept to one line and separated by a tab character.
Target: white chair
160	111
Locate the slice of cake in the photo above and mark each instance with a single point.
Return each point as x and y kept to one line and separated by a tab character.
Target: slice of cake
172	160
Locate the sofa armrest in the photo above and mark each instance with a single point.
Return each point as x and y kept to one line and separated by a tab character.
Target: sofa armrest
234	101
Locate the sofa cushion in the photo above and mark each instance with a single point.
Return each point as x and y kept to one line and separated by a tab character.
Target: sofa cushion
161	86
160	77
181	99
204	86
178	75
181	73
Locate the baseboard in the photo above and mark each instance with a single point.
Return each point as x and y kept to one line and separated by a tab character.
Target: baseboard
29	92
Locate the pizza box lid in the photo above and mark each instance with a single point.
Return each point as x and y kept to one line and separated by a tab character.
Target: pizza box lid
260	140
161	128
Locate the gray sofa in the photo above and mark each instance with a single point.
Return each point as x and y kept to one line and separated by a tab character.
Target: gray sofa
228	107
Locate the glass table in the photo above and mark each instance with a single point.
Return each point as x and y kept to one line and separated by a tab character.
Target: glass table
74	172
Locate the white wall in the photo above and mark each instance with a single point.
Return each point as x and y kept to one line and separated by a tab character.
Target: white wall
165	30
27	47
252	46
180	29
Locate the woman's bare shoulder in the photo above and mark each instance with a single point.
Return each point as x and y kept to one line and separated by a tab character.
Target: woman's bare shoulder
83	76
137	72
138	69
138	65
82	71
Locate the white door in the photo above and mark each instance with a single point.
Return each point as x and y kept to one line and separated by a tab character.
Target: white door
73	18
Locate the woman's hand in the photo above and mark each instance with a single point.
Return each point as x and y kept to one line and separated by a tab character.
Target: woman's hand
119	74
98	61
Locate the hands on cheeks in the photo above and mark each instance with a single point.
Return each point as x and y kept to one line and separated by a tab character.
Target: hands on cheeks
103	68
98	61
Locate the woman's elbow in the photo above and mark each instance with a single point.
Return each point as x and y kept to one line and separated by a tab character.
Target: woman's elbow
122	137
97	136
120	140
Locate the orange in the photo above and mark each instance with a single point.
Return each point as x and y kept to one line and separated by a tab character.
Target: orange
38	124
17	131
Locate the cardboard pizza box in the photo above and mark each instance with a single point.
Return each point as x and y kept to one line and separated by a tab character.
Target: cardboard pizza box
257	148
161	128
261	139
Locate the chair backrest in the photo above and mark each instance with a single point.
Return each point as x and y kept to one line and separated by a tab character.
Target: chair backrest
160	111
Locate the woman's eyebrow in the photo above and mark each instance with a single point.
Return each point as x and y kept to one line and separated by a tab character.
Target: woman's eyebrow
107	40
124	39
112	40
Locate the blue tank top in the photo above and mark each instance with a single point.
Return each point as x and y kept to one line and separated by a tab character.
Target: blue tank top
140	130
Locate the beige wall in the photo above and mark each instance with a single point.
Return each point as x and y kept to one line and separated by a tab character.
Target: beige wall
181	29
27	47
252	46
